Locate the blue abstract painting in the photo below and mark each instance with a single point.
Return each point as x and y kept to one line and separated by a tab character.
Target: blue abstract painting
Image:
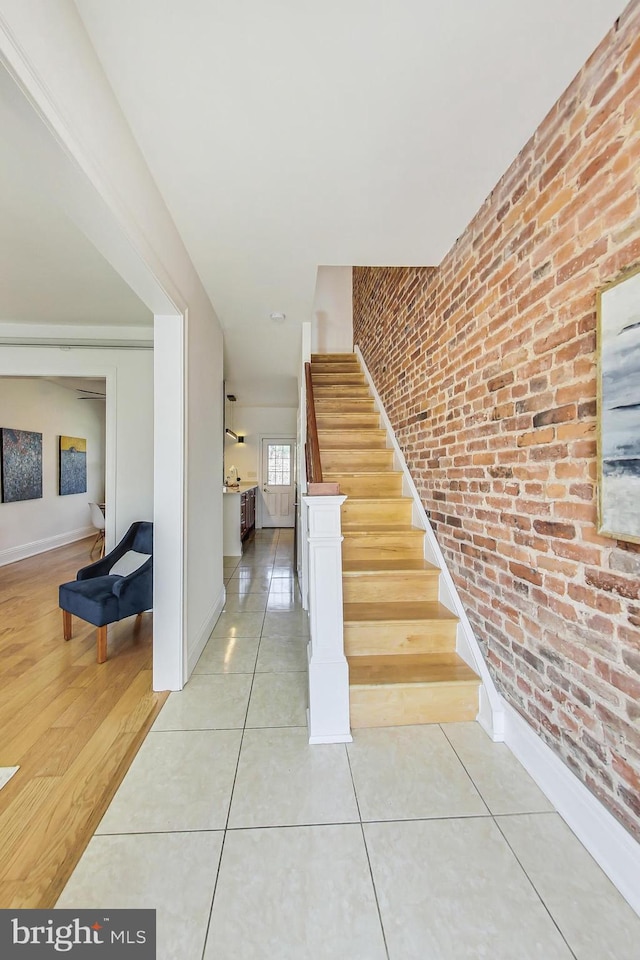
619	473
73	465
21	465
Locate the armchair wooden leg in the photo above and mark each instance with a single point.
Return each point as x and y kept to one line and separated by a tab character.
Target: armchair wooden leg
102	644
66	625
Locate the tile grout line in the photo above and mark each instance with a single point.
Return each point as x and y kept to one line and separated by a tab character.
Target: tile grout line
233	787
494	818
533	886
366	850
295	826
462	764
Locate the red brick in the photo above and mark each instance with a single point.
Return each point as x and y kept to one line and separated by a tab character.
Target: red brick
550	528
613	584
501	337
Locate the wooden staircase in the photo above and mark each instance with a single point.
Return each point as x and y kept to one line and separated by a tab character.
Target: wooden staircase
400	641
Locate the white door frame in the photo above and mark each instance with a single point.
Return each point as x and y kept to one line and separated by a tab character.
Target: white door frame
272	435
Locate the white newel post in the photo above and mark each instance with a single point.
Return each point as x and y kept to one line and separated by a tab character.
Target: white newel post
328	668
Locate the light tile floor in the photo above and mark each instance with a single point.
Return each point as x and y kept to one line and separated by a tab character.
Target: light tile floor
411	843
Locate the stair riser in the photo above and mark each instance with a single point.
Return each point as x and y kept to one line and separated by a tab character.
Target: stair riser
338	461
352	439
376	511
345	405
334	420
382	547
321	367
404	704
429	636
343	390
332	379
373	587
384	485
334	358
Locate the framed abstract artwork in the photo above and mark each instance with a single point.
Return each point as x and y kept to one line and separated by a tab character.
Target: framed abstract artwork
72	466
619	408
20	464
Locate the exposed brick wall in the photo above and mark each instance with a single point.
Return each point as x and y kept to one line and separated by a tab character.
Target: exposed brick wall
487	368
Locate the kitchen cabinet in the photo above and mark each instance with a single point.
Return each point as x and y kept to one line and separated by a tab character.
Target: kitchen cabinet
247	512
239	517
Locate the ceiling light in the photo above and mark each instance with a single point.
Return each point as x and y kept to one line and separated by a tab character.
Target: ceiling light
278	317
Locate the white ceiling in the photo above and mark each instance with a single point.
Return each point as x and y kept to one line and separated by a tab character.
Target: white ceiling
288	135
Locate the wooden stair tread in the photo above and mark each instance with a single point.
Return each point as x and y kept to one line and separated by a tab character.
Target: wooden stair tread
384	497
335	368
338	377
355	430
340	389
350	420
410	668
408	565
375	529
398	611
329	357
336	474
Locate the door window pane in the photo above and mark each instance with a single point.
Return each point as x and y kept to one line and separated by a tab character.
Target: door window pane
279	465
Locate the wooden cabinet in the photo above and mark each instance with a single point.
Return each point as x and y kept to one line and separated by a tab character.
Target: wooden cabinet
247	512
239	511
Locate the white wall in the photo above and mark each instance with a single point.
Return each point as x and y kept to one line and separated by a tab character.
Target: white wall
252	423
103	183
29	526
129	423
332	327
204	423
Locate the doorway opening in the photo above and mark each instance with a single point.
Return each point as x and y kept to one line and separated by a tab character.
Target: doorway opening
277	481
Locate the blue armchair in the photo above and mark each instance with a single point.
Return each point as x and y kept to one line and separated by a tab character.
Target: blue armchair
117	586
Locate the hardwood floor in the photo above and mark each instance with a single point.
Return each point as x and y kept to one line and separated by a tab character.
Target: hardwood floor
72	725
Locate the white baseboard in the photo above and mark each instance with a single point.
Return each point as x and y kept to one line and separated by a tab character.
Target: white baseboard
13	554
342	738
204	632
610	845
490	719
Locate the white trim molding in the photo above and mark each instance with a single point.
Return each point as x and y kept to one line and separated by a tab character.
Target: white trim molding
610	845
204	632
328	714
490	708
169	507
13	554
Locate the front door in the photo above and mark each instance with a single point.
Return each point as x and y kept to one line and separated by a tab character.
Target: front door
277	463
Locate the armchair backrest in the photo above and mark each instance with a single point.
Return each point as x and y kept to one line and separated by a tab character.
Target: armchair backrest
142	536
